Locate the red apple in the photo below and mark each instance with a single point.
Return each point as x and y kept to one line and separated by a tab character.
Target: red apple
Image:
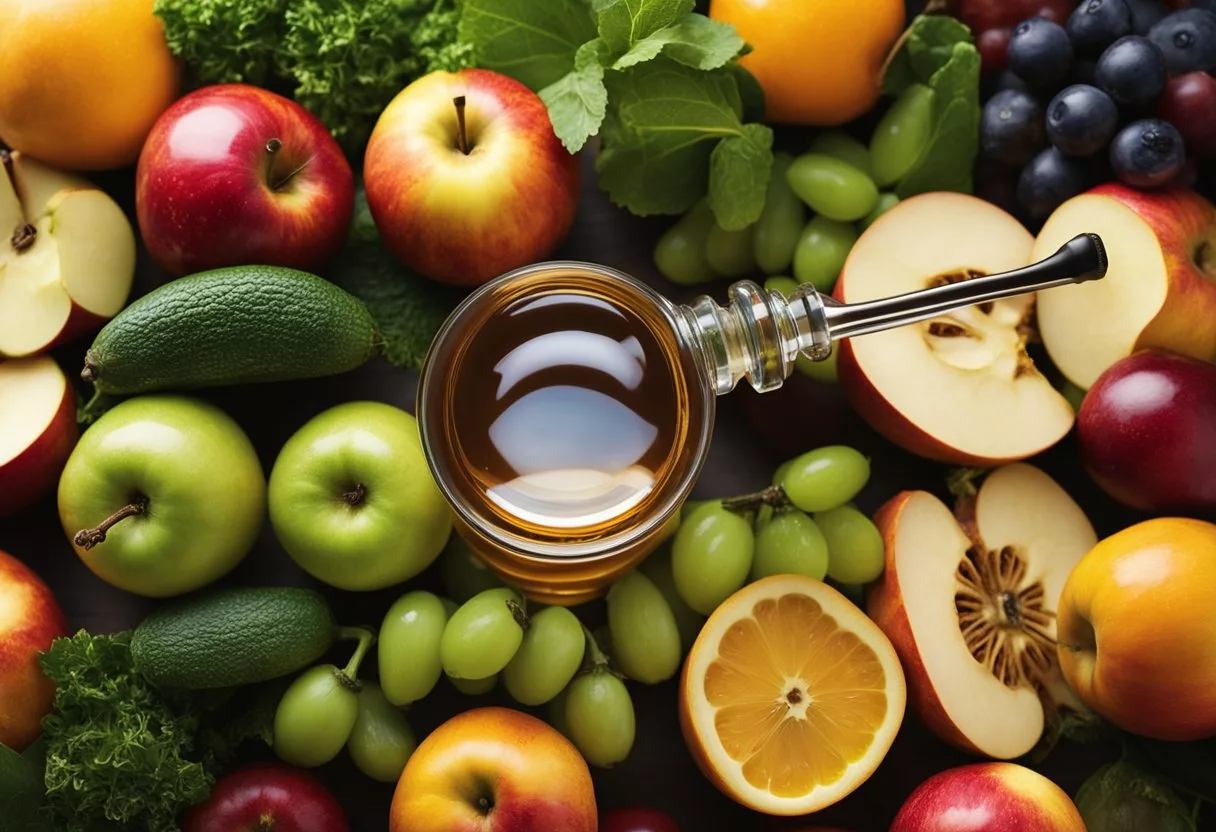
30	619
1189	103
465	178
268	797
236	175
637	820
988	797
1147	431
36	437
1160	289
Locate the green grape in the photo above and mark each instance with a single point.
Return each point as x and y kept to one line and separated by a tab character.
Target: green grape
886	201
315	717
824	370
730	253
462	572
781	221
779	474
599	718
382	741
783	286
711	556
474	687
482	636
790	544
556	712
408	648
826	477
645	638
901	135
824	246
679	254
855	547
840	145
833	188
657	567
548	658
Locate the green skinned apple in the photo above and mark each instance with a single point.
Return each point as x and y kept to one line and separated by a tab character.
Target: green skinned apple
163	495
353	501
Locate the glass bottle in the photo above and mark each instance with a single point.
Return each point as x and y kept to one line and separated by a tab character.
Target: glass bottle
566	408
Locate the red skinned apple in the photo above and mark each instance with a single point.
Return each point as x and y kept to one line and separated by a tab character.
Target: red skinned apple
637	820
236	175
30	619
268	797
37	433
466	179
1160	289
1147	431
988	797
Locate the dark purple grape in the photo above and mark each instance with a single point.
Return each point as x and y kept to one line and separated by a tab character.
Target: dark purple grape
1147	153
1048	180
1187	38
1084	71
1132	71
1096	24
1008	81
1145	14
1011	127
1040	53
1081	120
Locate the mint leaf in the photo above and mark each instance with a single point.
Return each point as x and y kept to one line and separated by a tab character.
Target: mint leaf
625	22
577	103
949	156
927	47
533	42
749	90
738	177
694	40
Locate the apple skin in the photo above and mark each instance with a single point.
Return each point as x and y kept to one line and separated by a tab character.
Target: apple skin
268	796
1136	629
30	619
464	219
988	797
533	778
1147	432
33	473
203	186
638	820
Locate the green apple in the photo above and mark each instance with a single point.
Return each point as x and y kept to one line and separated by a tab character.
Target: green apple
353	501
163	494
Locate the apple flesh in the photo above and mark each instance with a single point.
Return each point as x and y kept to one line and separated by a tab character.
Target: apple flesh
466	179
1160	289
988	797
264	797
30	619
969	598
959	388
67	257
236	175
37	430
1147	432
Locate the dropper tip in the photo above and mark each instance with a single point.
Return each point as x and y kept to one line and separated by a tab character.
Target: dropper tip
1089	252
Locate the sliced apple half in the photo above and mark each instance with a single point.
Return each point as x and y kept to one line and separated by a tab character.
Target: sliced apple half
67	257
37	429
969	600
1160	289
959	388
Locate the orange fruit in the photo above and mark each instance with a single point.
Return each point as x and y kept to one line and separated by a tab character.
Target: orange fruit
82	81
790	697
819	61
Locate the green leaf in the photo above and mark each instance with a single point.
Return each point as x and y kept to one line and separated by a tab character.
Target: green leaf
694	40
750	91
739	171
626	22
1190	766
533	42
21	790
927	46
578	102
1120	797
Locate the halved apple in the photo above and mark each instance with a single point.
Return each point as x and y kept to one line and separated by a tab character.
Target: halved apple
959	388
67	257
1160	289
37	429
969	600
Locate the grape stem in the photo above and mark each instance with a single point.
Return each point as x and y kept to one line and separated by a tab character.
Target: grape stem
599	658
349	675
773	496
519	612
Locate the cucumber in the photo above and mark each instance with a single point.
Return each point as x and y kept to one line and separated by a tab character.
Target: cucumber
233	637
238	325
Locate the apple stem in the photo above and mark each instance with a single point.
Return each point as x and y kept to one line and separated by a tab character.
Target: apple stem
356	495
462	134
273	146
773	496
349	675
519	613
24	237
88	538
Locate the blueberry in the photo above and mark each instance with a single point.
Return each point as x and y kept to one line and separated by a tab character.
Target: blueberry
1132	71
1145	14
1008	81
1048	180
1096	24
1011	127
1188	39
1081	120
1040	52
1147	153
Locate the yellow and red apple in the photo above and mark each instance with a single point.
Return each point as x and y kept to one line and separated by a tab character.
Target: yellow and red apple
466	179
988	797
37	429
30	619
1137	637
494	770
1160	289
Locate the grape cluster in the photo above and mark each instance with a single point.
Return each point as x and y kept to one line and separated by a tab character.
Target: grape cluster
1121	89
